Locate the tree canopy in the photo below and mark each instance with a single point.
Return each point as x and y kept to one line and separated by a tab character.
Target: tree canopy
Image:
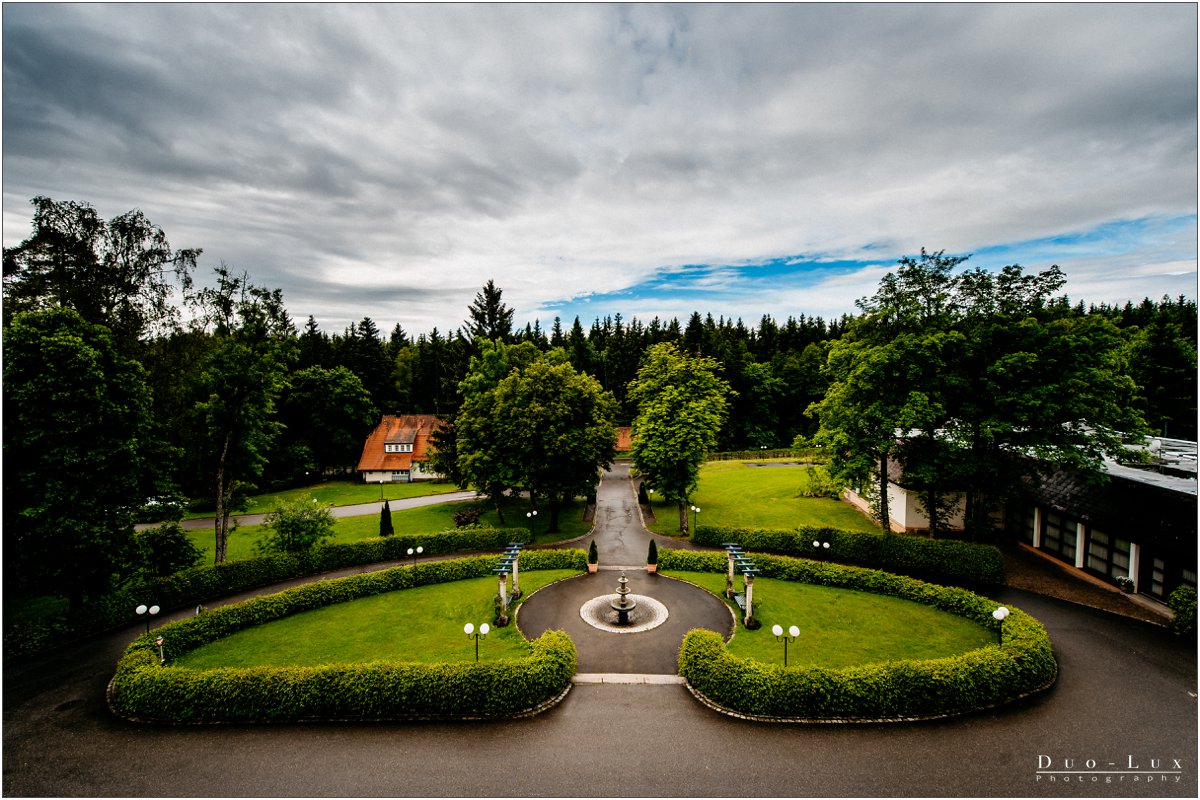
681	404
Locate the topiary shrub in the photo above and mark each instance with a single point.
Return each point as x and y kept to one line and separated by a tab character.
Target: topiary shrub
145	691
652	553
943	560
891	691
593	553
1183	602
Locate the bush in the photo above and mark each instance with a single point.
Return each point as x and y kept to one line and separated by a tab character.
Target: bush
897	690
1183	602
296	526
944	560
652	553
465	517
386	528
167	549
144	690
593	553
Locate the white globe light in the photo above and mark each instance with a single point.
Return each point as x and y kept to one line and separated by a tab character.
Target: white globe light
141	609
826	545
794	631
816	544
484	628
154	609
469	628
777	630
420	550
1000	613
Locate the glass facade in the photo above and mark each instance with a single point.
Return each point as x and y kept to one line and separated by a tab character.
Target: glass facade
1107	556
1058	536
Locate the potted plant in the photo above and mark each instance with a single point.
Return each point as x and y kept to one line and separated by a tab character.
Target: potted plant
593	557
652	557
1126	583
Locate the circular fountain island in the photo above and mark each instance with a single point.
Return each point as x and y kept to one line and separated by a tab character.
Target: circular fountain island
623	612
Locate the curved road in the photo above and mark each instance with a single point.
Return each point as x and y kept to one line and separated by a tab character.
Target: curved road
1126	698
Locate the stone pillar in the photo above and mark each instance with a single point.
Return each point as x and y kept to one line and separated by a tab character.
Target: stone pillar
749	580
1037	527
729	576
516	573
1135	564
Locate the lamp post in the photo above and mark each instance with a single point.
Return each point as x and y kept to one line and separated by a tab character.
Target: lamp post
695	516
817	545
147	612
381	489
469	630
793	632
1000	613
415	553
532	517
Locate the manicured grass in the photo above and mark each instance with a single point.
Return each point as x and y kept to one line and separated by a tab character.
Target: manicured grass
338	493
733	494
840	627
424	624
427	519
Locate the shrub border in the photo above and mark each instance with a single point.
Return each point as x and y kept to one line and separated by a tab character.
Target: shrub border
929	559
913	690
142	691
201	584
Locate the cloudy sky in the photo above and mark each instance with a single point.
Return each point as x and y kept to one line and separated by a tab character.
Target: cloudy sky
387	160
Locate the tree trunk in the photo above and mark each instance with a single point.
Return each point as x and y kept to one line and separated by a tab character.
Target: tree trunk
553	503
683	517
934	510
221	523
885	517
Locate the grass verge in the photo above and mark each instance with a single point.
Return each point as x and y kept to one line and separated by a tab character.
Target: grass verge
736	495
842	627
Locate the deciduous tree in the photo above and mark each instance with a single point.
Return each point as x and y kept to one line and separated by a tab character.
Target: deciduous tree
681	405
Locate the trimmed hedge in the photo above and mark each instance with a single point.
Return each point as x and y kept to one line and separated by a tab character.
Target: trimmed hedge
201	584
894	690
1182	601
142	689
947	560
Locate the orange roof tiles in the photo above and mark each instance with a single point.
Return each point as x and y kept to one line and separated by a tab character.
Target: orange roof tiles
411	429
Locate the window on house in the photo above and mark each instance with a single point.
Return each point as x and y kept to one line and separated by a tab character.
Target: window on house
400	475
397	448
1107	555
1058	536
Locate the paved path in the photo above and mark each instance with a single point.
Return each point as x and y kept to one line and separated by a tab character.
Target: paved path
1126	694
339	511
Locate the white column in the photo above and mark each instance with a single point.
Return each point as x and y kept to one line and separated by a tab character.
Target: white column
516	576
729	576
749	580
1135	559
1080	541
1037	527
503	593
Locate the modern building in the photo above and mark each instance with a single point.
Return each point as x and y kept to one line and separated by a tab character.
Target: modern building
397	450
1136	528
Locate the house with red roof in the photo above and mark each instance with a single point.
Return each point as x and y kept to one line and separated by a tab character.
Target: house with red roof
397	450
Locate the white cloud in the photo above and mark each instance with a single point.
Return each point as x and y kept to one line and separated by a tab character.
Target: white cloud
388	159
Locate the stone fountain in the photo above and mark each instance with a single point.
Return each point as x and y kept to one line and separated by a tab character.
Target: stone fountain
623	603
623	612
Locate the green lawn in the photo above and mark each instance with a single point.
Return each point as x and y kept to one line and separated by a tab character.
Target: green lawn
427	519
733	494
841	628
338	493
838	628
424	624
